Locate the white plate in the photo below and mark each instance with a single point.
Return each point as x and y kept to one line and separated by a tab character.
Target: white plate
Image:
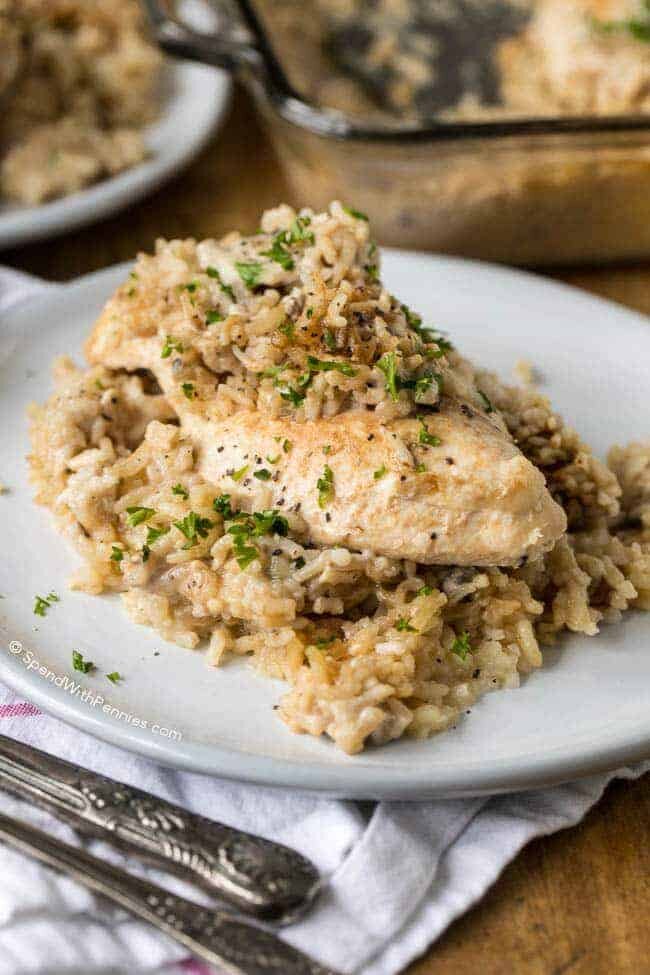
195	100
587	710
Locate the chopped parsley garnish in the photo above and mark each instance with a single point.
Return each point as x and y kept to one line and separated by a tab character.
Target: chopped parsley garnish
329	339
78	662
325	486
637	27
43	603
432	335
486	402
420	468
237	475
245	554
181	491
330	365
379	473
357	214
373	272
279	251
388	365
153	534
327	449
191	286
263	474
427	438
171	345
403	626
222	506
193	526
213	316
411	318
298	231
136	515
286	446
324	641
117	553
309	312
188	390
461	645
269	522
246	527
291	395
114	677
287	328
273	460
298	563
226	289
424	384
250	272
424	591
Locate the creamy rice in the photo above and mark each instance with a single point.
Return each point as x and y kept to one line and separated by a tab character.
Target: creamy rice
78	80
371	647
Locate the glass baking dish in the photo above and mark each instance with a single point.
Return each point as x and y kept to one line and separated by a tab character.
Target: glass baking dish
511	187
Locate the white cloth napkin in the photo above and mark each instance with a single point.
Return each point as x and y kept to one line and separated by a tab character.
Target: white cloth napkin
397	873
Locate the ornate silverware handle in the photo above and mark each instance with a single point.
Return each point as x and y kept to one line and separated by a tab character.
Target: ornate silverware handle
263	878
233	946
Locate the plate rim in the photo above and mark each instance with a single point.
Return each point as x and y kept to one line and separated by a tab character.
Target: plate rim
30	224
367	782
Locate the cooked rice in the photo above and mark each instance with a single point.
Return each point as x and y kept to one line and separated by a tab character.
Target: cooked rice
78	81
327	620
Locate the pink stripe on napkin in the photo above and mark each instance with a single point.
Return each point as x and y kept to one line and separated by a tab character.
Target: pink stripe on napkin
22	709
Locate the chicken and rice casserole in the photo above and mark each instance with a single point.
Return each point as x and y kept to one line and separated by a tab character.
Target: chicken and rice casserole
271	456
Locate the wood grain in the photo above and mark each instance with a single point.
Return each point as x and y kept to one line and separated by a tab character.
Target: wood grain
576	903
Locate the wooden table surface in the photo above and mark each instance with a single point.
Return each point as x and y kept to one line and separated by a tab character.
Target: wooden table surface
576	903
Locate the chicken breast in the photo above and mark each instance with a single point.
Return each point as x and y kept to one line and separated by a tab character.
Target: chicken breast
451	489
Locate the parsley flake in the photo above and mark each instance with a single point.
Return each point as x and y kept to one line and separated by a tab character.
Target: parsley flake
279	251
486	402
330	365
427	438
171	345
379	473
114	677
403	626
388	365
237	475
78	662
136	515
213	316
461	645
357	214
325	487
188	390
222	506
263	474
193	526
181	491
43	603
250	272
226	289
117	553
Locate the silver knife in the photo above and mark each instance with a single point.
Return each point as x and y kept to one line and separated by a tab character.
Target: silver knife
264	879
217	937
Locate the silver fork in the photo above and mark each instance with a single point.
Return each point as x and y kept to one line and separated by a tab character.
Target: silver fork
262	878
215	936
